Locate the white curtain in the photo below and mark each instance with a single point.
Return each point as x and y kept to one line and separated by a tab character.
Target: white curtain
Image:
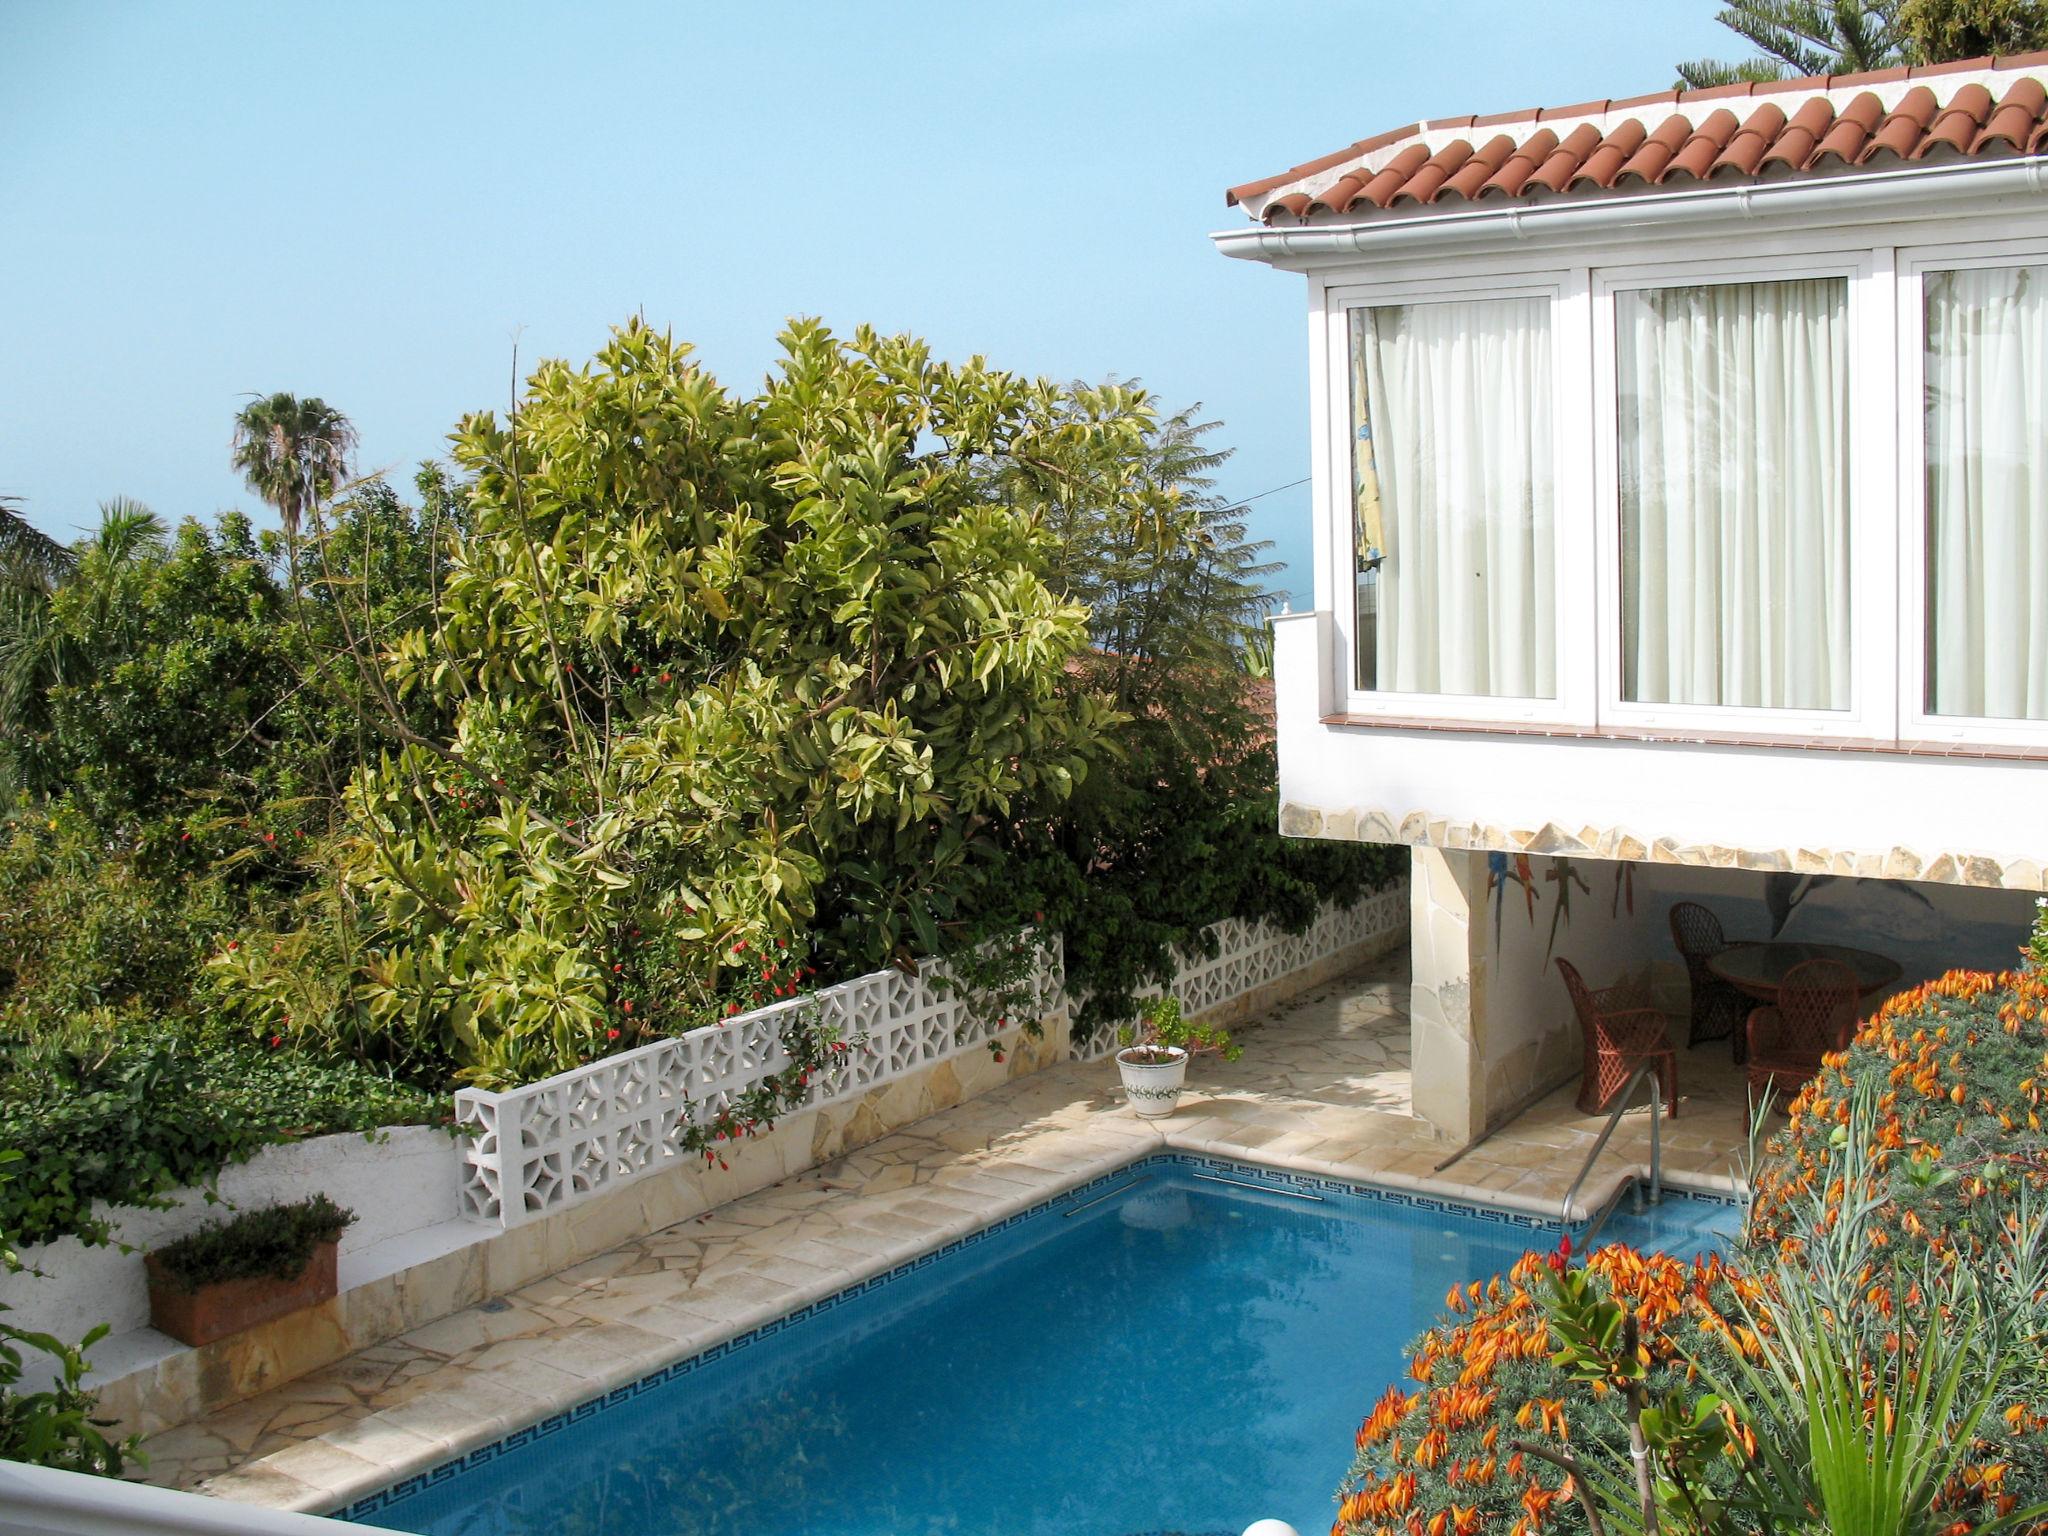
1734	439
1987	491
1453	448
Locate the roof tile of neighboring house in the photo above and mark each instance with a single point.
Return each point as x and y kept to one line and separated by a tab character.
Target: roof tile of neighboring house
1824	125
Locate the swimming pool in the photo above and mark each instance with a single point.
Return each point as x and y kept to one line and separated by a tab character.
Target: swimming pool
1180	1347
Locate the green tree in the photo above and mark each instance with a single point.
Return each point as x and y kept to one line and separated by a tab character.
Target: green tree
718	670
1939	30
26	552
186	743
293	453
1832	37
1804	37
40	652
1181	831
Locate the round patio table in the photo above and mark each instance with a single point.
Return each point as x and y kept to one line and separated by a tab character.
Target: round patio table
1758	969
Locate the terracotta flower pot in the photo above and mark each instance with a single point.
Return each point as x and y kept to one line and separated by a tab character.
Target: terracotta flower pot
229	1306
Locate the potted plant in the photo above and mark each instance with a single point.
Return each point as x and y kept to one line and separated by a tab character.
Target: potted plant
1154	1058
231	1275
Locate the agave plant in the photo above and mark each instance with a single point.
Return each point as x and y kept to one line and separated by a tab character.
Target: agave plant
1854	1436
1851	1416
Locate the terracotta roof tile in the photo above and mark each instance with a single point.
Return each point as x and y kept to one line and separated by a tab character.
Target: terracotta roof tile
1843	144
1746	148
2013	121
1381	189
1648	163
1793	147
1702	149
1525	160
1563	162
1958	125
1422	186
1838	124
1603	165
1903	128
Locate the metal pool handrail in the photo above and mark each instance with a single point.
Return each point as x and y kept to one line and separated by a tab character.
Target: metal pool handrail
1647	1071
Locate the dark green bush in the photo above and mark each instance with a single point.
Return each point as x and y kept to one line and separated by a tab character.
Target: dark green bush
129	1117
82	930
272	1243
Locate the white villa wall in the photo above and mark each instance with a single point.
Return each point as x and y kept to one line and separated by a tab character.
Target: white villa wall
403	1181
1822	810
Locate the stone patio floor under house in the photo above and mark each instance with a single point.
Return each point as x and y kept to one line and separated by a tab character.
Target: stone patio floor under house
1323	1087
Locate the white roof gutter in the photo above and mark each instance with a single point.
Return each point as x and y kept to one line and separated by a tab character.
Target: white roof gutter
1894	191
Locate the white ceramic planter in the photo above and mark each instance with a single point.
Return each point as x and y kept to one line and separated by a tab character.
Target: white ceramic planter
1153	1090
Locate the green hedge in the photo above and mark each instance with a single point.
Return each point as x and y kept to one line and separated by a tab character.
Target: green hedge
130	1118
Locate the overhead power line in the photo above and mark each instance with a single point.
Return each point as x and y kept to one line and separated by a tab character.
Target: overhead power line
1290	485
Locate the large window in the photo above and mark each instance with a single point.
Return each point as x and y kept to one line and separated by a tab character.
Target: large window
1986	380
1452	449
1790	489
1734	471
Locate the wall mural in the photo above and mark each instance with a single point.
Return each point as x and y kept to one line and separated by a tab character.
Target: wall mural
1784	892
1504	869
1499	876
1927	929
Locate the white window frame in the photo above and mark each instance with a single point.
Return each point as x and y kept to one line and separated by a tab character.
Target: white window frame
1917	720
1873	546
1567	290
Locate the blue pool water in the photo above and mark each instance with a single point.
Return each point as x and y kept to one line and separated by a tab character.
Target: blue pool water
1157	1352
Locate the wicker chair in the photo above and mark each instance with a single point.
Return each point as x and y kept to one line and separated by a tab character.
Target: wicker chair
1815	1014
1623	1030
1718	1009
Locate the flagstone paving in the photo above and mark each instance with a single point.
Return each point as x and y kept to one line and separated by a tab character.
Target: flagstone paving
1323	1086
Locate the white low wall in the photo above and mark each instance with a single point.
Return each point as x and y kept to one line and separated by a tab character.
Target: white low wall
565	1138
1255	963
404	1180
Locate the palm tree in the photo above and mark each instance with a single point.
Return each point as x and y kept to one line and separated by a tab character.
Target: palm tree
293	453
37	651
1806	37
26	552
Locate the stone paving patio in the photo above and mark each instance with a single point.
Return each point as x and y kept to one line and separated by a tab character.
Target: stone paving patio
1323	1087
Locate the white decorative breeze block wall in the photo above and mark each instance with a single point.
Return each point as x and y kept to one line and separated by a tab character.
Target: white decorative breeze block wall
538	1148
1254	955
534	1150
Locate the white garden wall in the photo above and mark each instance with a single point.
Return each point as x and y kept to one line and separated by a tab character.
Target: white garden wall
549	1144
401	1182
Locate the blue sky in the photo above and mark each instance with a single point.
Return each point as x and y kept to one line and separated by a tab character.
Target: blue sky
371	202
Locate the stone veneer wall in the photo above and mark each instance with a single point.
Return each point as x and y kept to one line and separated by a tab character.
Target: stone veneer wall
1491	1023
1420	829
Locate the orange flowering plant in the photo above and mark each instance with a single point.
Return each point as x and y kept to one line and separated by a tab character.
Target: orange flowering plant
1901	1207
1957	1070
1441	1458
